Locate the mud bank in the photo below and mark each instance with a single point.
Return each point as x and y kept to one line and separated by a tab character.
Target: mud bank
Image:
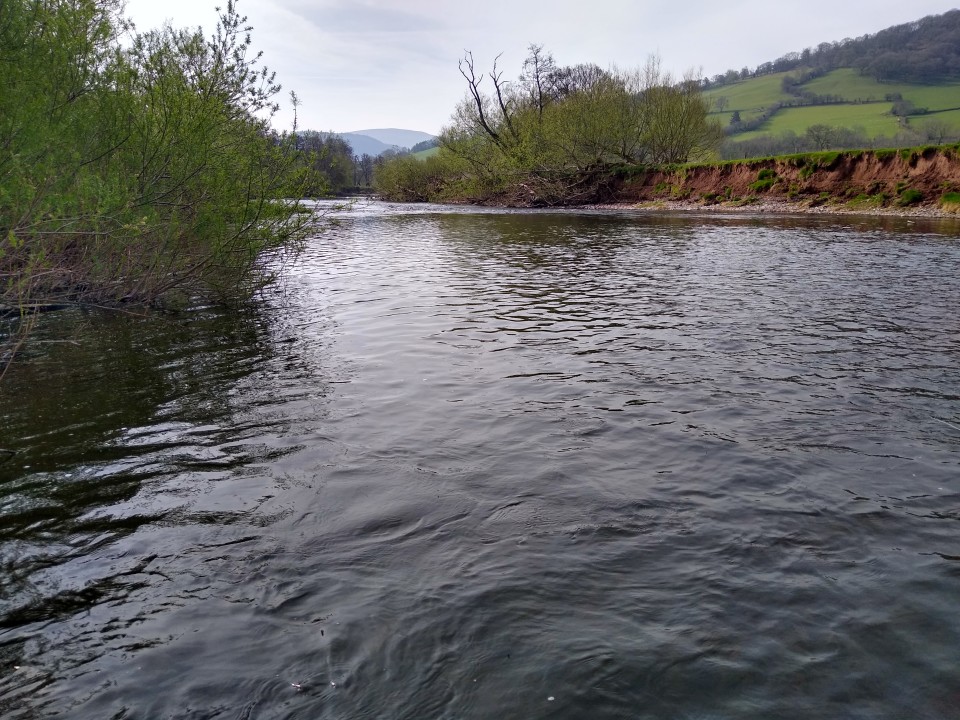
922	182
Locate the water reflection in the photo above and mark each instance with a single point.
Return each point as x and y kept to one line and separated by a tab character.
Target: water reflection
120	427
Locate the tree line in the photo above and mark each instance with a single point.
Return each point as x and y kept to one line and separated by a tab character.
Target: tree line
822	136
555	132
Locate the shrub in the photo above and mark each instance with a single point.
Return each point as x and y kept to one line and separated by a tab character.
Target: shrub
139	173
910	197
763	185
950	201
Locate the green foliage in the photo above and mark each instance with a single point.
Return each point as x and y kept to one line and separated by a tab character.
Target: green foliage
555	134
766	179
884	154
910	196
135	171
950	201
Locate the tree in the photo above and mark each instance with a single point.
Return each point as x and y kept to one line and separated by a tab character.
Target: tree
821	136
560	125
365	163
136	171
677	125
938	131
539	77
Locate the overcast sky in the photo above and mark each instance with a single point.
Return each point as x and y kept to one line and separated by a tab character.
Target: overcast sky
385	63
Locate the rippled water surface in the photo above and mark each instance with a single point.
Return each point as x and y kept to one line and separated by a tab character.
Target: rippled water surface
483	464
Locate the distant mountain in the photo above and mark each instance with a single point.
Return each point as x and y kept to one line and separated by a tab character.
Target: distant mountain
377	142
365	144
394	136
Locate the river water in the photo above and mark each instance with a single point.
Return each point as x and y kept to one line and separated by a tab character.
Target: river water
492	464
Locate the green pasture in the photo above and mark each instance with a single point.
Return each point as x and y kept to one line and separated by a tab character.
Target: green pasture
873	118
854	87
749	95
950	117
867	108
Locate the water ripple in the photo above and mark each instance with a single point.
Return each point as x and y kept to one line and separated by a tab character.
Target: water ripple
465	461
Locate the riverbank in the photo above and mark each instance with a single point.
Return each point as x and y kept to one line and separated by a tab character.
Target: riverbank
922	182
774	207
919	181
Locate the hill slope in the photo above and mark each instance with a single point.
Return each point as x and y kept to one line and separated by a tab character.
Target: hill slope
365	144
394	136
898	87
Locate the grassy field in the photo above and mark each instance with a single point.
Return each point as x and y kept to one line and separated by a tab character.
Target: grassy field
950	117
874	119
749	96
867	109
851	85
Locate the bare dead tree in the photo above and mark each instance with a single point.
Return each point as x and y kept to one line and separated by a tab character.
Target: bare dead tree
473	85
466	67
498	86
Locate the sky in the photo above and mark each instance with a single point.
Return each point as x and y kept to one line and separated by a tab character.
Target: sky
364	64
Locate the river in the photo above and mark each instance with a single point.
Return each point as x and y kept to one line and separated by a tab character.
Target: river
467	463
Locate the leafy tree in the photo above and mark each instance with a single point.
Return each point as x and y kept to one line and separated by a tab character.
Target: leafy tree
556	129
138	171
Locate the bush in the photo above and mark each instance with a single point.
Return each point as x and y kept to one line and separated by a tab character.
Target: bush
763	185
950	201
137	171
910	196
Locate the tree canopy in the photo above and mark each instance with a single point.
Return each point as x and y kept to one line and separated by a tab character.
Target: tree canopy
555	127
136	166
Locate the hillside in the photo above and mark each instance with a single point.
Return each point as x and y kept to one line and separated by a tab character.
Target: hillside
840	90
394	136
365	144
923	51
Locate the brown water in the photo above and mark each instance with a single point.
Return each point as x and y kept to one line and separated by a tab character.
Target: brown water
485	464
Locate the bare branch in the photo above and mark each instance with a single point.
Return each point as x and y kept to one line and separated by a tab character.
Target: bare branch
473	84
498	86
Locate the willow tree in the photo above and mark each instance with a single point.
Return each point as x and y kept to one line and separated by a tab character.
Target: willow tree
135	171
578	119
